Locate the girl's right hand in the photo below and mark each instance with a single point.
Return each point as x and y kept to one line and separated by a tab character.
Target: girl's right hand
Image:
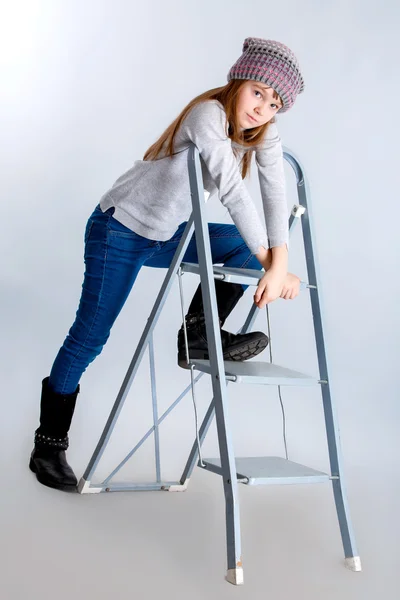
269	287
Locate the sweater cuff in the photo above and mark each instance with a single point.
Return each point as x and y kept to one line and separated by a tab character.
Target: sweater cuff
275	241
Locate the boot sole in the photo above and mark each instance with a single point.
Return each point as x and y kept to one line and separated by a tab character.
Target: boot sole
47	482
238	355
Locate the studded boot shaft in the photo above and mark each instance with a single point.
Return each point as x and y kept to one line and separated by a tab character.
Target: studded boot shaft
48	459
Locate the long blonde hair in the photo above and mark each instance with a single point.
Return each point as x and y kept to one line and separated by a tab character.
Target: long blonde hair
227	96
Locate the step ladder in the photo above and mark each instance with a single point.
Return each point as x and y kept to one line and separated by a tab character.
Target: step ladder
250	470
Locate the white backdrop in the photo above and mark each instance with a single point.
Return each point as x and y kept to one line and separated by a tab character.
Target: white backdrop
86	88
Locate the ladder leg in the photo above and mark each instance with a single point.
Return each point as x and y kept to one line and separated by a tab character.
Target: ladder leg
352	560
229	477
332	430
234	573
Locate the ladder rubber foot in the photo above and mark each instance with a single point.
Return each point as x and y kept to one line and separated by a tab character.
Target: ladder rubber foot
84	487
353	563
235	576
179	488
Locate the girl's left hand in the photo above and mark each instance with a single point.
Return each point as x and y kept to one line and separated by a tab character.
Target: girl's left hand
291	287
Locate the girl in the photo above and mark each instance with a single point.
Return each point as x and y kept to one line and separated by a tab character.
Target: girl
140	221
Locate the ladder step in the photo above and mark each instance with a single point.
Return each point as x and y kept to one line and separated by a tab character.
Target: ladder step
258	372
233	275
268	470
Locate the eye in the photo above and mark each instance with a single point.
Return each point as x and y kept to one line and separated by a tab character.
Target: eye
276	106
257	92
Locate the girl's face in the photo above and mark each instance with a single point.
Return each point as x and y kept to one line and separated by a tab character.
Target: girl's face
257	103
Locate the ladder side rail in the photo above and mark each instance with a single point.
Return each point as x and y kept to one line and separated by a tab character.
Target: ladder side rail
331	421
155	408
227	456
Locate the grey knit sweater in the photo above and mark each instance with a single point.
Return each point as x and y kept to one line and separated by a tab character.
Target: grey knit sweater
153	197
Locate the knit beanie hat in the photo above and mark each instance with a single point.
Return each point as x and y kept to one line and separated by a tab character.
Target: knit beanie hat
271	63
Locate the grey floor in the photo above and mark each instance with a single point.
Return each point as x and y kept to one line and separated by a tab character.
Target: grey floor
147	545
155	544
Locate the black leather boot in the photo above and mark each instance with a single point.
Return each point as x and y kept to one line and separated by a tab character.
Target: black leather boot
238	347
48	458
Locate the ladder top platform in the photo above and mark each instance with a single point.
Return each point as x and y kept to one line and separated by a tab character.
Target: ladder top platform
233	275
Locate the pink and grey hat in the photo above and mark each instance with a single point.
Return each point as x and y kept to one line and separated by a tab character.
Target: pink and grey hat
271	63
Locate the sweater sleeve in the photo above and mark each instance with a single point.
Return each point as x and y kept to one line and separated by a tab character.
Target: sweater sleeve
269	160
205	127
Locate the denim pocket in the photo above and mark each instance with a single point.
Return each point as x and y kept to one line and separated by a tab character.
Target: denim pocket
116	228
122	238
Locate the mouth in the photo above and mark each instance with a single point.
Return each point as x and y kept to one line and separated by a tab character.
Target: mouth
251	119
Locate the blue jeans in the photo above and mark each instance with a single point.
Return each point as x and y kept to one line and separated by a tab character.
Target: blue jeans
113	257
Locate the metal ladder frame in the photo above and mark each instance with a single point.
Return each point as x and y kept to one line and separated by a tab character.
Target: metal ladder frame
270	470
